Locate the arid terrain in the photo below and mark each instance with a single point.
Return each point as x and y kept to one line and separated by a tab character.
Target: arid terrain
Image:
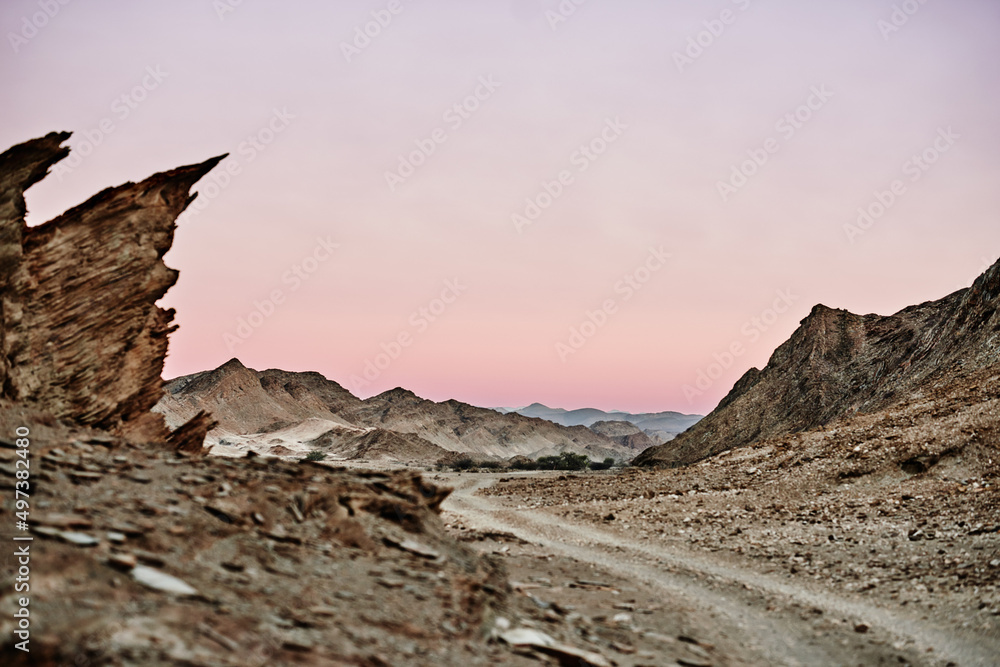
840	506
875	540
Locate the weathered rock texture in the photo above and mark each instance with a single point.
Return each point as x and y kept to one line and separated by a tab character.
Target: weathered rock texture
838	364
290	563
80	334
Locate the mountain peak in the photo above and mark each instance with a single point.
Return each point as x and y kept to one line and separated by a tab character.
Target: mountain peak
396	394
233	364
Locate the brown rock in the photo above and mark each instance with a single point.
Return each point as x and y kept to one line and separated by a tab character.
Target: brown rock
80	333
838	363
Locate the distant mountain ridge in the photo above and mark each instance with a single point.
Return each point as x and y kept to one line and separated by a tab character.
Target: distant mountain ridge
293	413
659	426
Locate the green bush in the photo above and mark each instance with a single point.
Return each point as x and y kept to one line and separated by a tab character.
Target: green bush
607	464
314	456
565	461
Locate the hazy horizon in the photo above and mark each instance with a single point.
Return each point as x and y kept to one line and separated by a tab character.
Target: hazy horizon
376	208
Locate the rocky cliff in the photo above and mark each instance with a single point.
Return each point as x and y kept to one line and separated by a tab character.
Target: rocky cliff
838	364
80	333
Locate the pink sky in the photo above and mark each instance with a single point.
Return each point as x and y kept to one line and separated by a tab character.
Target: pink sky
608	74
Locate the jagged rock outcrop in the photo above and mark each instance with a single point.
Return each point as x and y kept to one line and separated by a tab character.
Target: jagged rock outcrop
81	336
299	412
624	433
838	364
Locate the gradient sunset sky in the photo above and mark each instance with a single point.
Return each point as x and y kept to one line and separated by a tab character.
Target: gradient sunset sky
836	99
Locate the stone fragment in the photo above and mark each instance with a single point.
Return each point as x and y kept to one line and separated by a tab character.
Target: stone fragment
161	581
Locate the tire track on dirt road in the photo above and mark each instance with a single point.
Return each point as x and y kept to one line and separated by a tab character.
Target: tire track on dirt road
738	598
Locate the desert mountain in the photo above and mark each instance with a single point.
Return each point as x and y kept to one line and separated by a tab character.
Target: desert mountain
838	364
659	426
284	412
624	433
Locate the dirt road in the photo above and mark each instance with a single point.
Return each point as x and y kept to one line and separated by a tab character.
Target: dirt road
772	619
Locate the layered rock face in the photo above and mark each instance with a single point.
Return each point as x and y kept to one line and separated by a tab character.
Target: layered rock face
80	334
838	364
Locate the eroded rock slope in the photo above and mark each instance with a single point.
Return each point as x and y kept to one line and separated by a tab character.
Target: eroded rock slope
838	364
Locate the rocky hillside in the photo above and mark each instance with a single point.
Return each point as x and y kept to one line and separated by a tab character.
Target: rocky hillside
624	433
284	414
460	427
287	413
838	364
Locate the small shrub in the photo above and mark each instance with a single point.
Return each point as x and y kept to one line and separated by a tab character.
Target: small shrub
314	456
607	464
464	463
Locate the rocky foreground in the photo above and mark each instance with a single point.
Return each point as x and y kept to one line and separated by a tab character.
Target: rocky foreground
146	557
